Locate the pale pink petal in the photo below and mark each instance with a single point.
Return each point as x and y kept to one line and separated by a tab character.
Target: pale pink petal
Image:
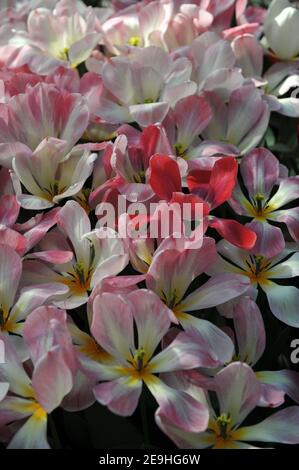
13	239
74	222
238	391
286	381
152	318
283	302
9	209
250	330
34	203
110	257
217	290
288	191
269	241
192	115
112	326
224	82
247	132
210	337
172	94
32	435
121	396
46	330
32	297
36	233
52	256
81	396
12	371
181	409
183	439
117	77
260	171
151	113
249	55
211	53
47	112
271	397
52	379
282	427
184	352
285	269
81	50
173	269
291	218
10	274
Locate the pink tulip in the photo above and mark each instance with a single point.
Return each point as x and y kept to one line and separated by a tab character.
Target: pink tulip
54	365
76	257
238	392
24	121
260	172
121	380
260	271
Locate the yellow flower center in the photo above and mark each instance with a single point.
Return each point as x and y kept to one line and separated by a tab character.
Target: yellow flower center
180	149
259	209
223	422
139	367
63	54
258	269
5	323
139	177
134	41
171	300
31	406
78	281
53	190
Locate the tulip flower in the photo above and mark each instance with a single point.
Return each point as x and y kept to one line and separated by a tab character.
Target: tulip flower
242	121
145	88
136	363
75	256
64	36
17	303
280	29
208	186
250	344
25	123
260	172
238	392
263	272
50	174
33	398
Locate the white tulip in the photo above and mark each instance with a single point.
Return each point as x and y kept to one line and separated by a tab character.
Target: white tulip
282	29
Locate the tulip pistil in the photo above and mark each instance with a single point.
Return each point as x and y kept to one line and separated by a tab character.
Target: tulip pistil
223	421
139	358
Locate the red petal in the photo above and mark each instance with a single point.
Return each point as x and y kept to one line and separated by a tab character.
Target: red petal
164	177
192	199
222	181
198	179
234	232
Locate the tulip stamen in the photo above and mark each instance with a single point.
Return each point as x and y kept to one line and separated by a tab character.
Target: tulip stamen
134	41
223	421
